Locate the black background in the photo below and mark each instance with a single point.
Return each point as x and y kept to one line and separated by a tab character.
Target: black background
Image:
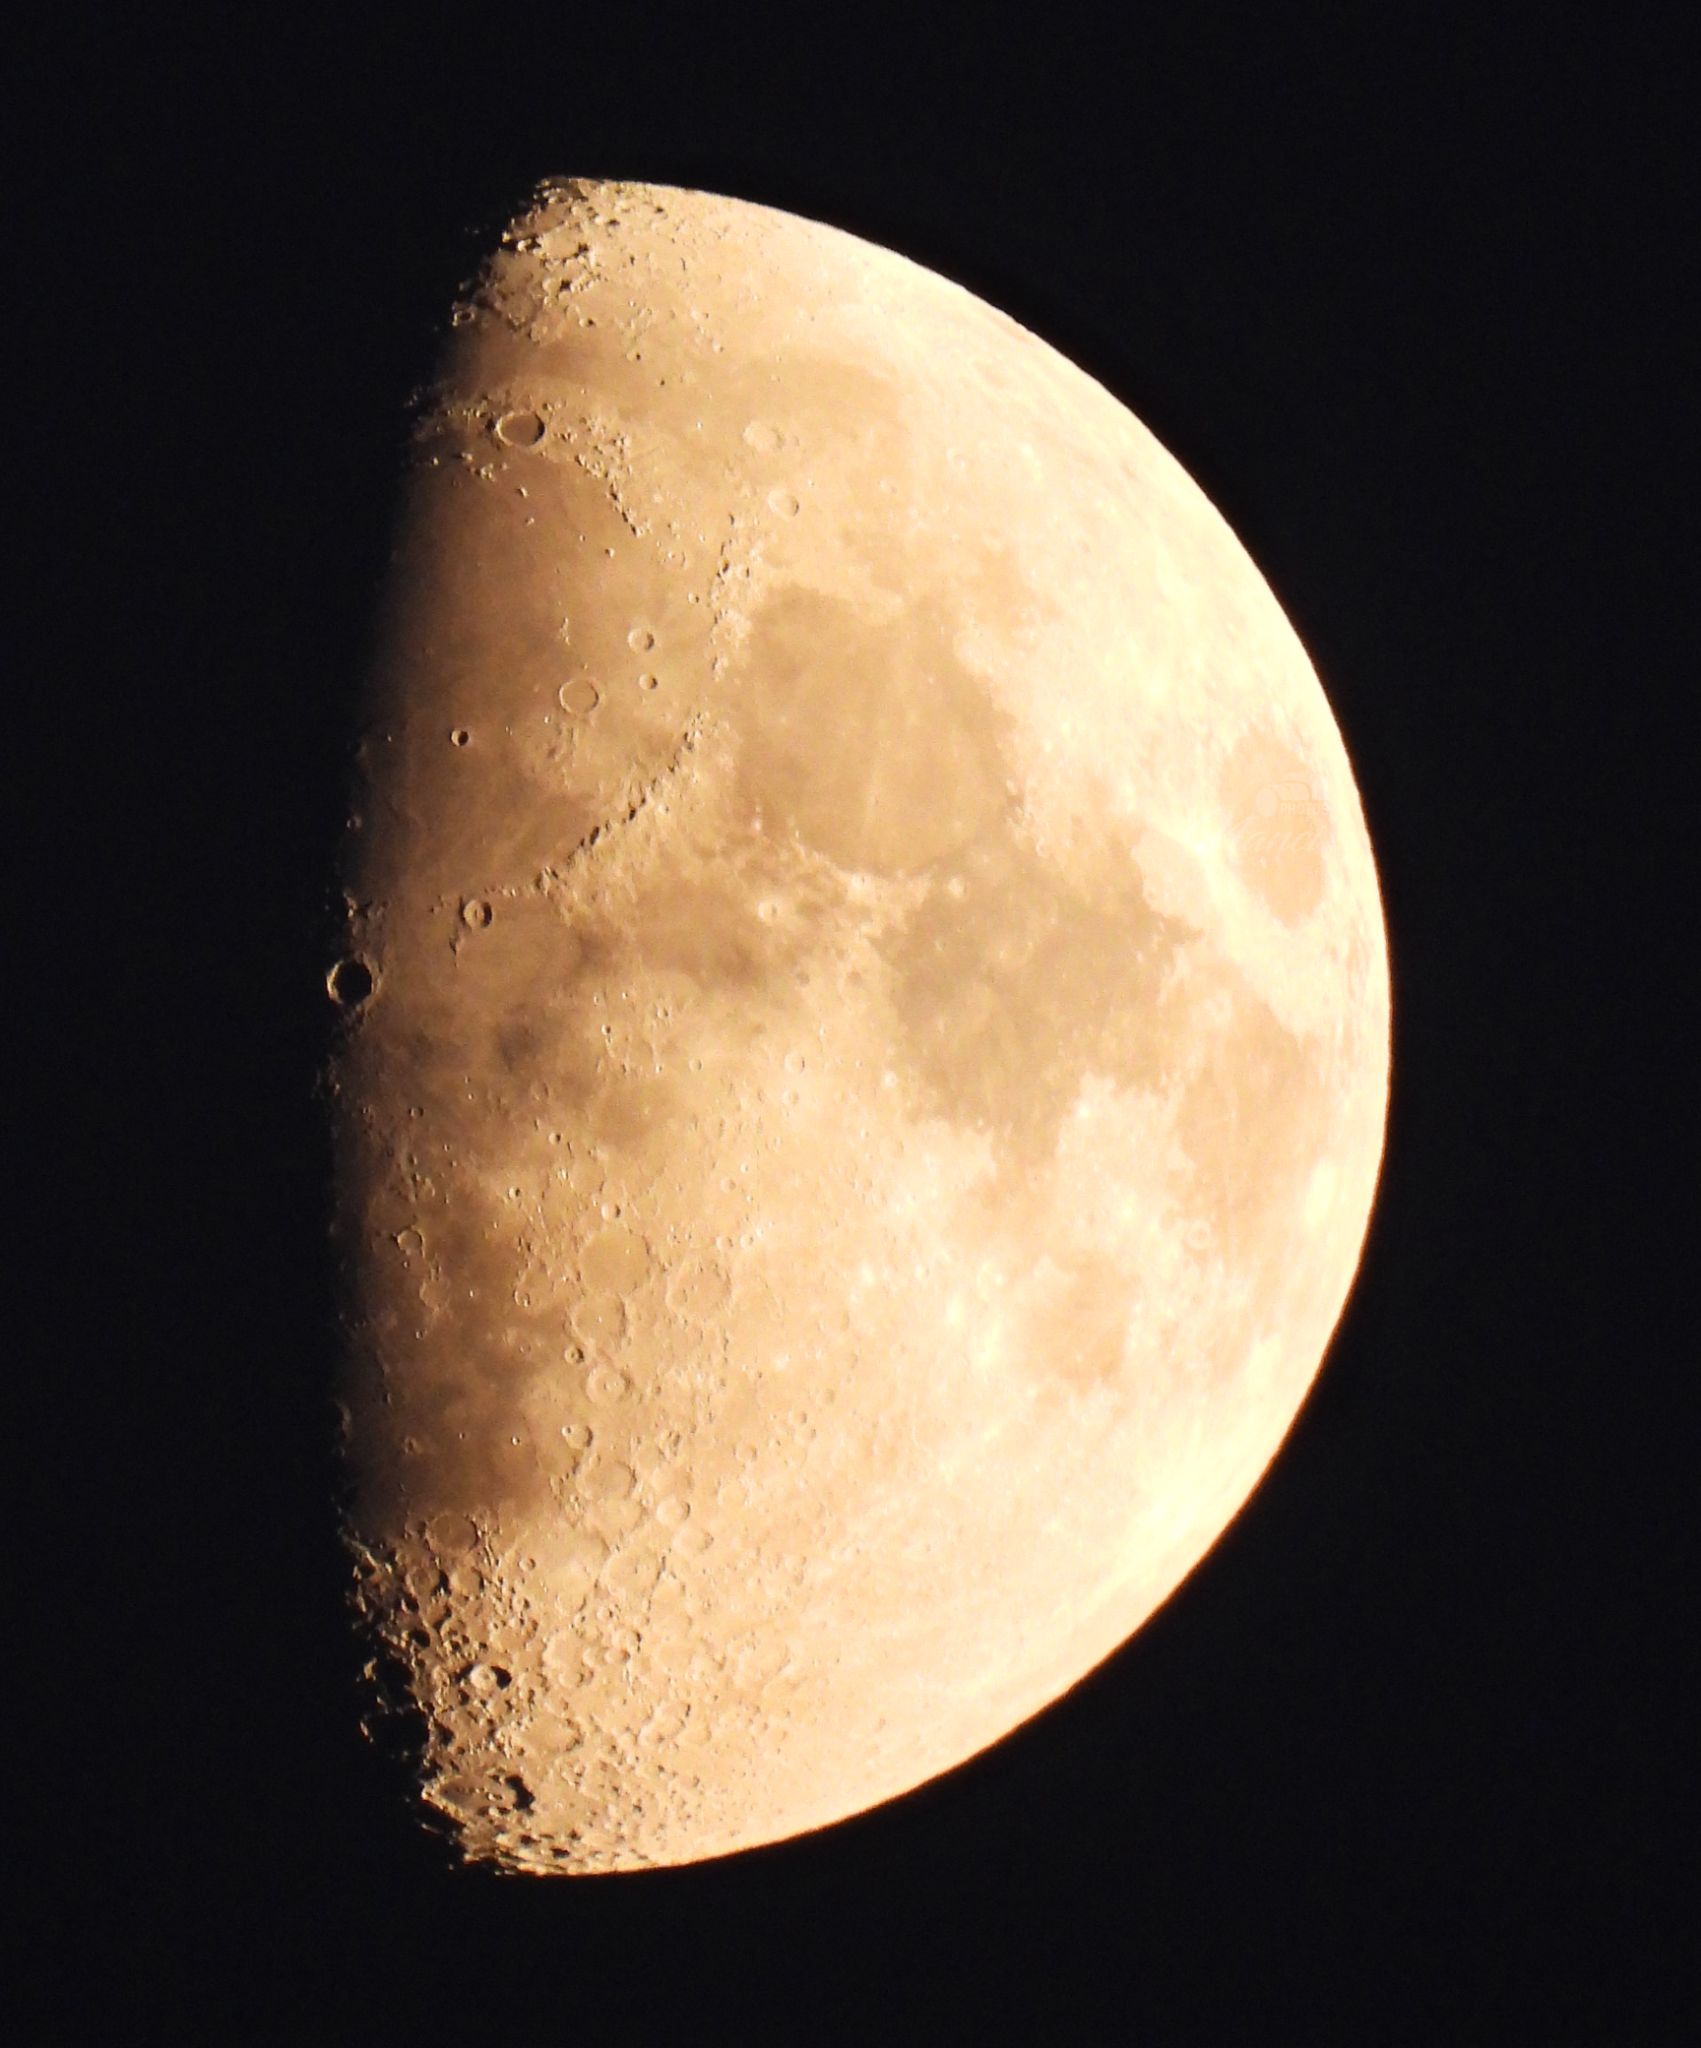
1403	296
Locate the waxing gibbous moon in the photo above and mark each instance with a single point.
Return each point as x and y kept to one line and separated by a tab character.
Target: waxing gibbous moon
864	1036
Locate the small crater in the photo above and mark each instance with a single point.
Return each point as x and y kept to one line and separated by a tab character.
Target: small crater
451	1535
784	503
476	913
763	436
614	1519
519	429
350	982
640	640
578	696
612	1481
631	1572
459	737
600	1318
615	1260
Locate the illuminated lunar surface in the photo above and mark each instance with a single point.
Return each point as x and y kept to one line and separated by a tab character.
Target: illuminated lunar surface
873	1077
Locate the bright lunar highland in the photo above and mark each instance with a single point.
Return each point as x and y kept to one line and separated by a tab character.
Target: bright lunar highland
863	1036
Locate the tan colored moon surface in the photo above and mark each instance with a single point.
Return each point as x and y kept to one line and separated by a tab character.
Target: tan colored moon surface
866	1035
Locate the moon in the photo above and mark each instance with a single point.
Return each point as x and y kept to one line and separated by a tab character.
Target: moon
862	1036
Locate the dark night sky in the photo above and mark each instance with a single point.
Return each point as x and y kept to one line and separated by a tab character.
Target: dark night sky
1396	1762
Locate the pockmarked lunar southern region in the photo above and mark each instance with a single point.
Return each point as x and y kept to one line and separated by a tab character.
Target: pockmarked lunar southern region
862	1043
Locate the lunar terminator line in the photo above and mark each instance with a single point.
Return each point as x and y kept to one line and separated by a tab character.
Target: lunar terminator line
866	1050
